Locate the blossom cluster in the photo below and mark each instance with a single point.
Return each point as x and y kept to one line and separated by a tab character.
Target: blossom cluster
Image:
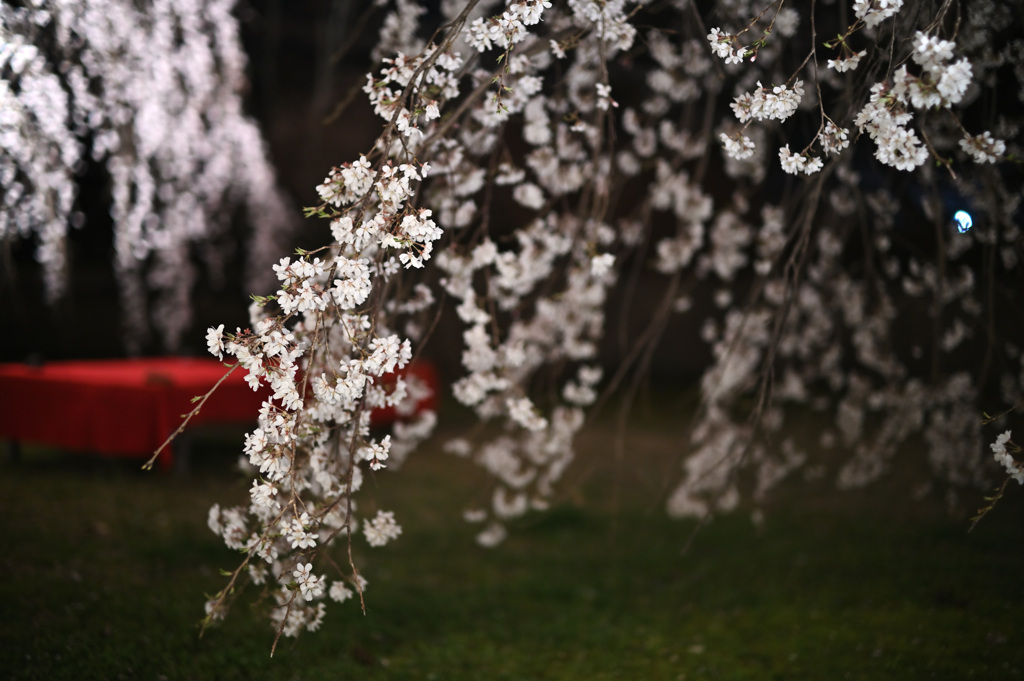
1005	459
779	103
795	164
942	83
848	62
723	45
874	12
508	28
885	120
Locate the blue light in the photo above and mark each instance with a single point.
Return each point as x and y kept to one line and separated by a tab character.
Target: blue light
963	221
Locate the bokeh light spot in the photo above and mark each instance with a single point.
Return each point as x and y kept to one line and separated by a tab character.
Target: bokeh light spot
963	221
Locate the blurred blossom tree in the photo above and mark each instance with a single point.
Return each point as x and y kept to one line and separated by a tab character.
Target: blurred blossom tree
841	179
150	90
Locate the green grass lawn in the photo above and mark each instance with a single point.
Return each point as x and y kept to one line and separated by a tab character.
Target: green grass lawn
105	570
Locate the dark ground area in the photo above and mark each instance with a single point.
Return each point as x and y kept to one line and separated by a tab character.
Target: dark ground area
105	570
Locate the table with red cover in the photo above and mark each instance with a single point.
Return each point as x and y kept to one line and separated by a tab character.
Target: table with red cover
128	407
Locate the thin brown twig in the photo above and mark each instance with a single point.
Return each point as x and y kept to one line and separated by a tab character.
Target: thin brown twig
187	417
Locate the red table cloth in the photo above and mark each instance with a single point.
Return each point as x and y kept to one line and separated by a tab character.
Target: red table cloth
128	407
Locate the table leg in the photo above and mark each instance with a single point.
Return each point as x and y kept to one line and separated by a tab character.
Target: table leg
183	454
12	451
